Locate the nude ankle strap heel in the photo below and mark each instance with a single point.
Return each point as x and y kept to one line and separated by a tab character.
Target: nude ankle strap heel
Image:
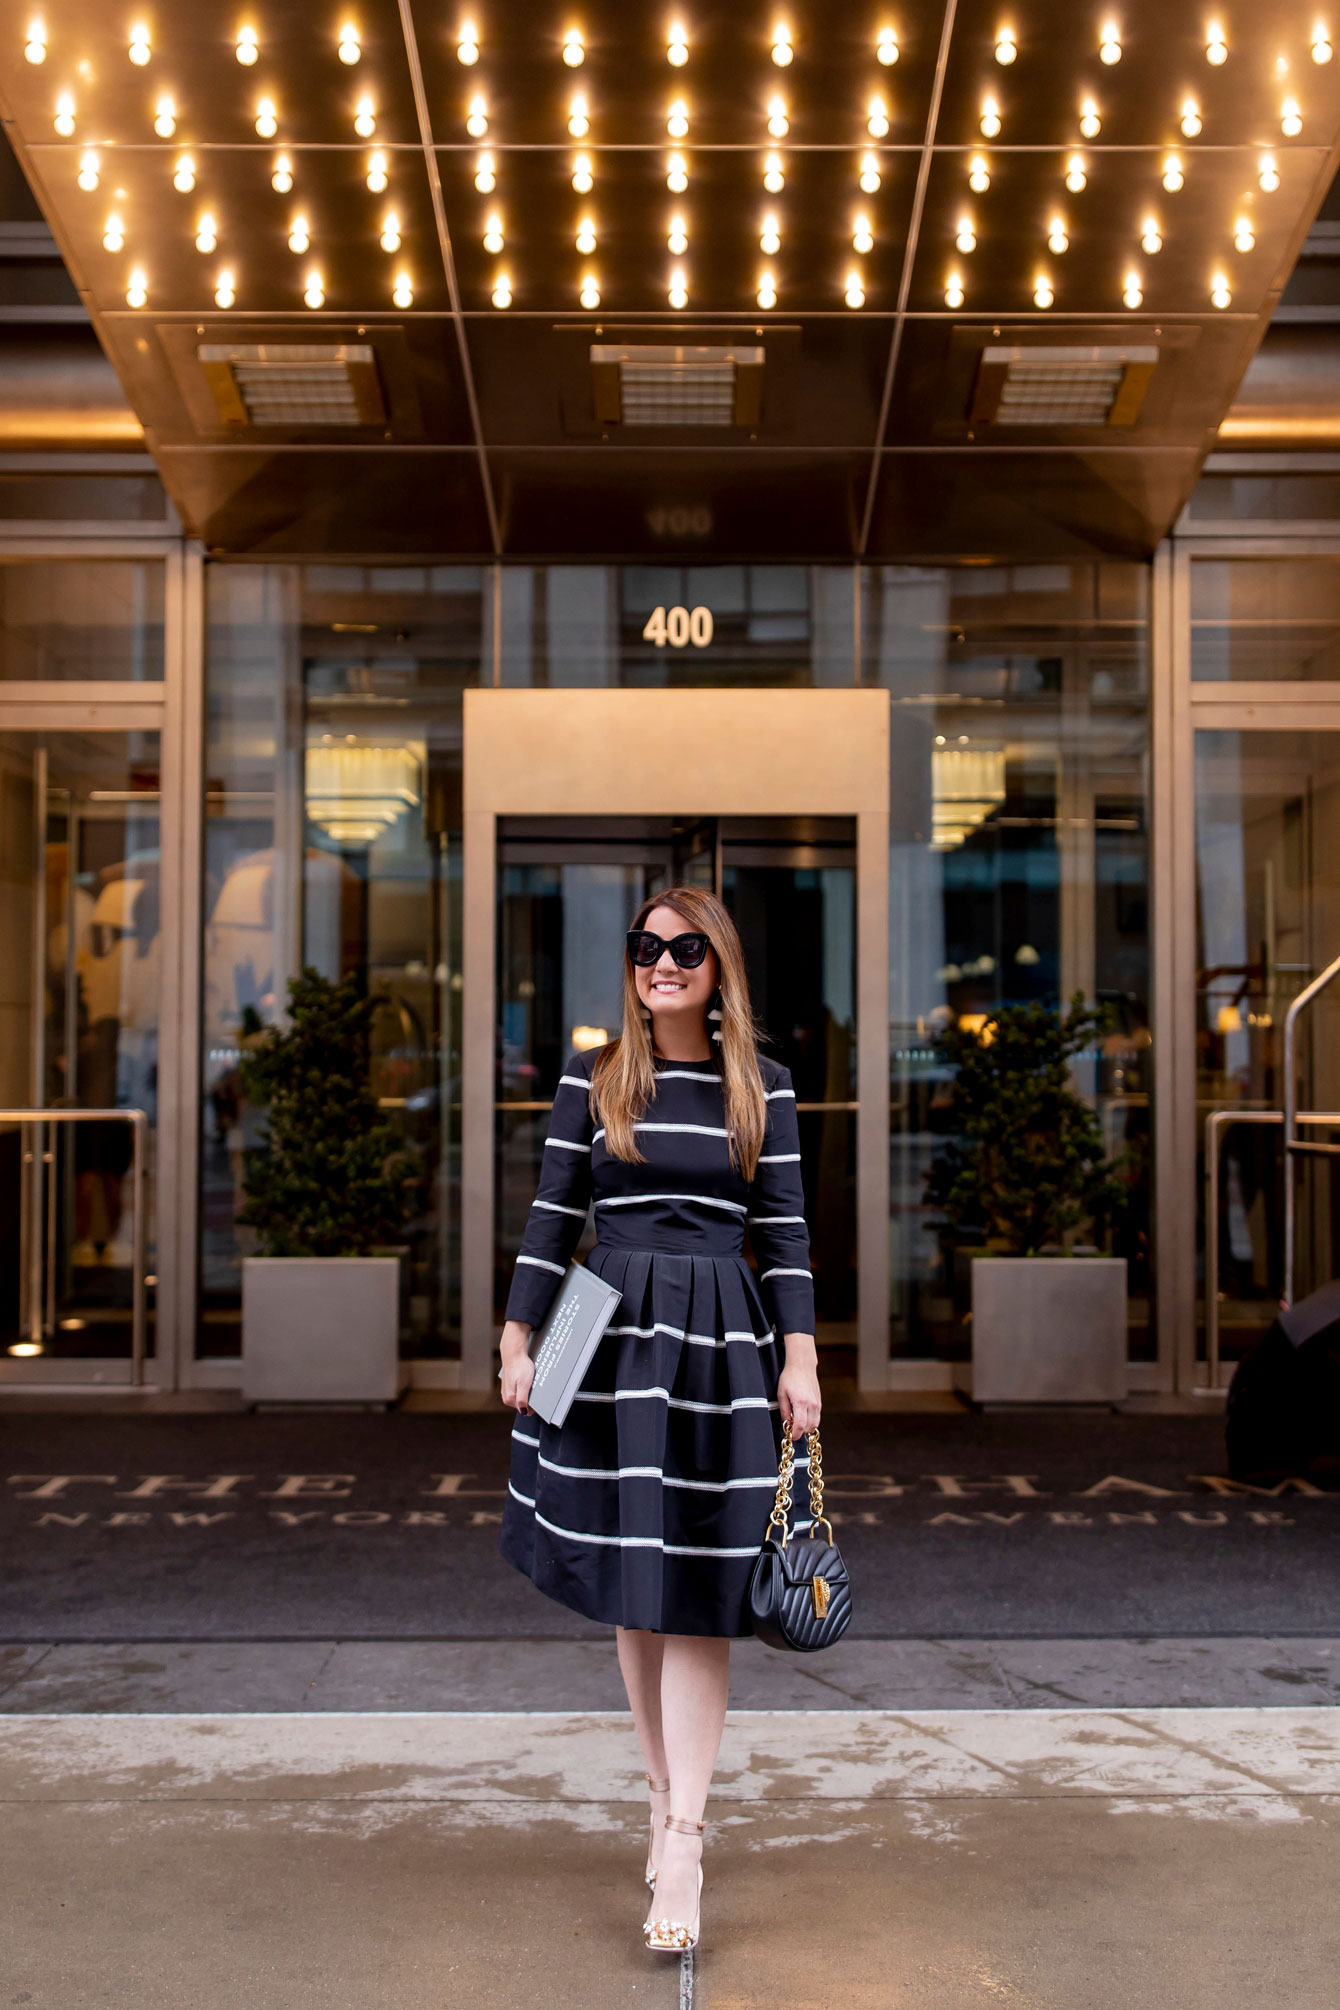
657	1787
673	1936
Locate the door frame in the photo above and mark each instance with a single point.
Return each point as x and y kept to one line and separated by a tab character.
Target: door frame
597	752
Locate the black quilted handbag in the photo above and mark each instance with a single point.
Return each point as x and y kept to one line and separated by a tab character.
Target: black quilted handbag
799	1592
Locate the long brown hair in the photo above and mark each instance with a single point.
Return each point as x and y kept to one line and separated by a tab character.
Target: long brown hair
623	1079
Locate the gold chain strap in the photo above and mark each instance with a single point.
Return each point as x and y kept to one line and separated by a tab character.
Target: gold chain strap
781	1508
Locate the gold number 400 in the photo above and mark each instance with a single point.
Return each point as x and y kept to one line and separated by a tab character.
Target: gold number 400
679	626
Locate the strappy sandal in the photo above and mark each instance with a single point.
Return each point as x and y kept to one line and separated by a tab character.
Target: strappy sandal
657	1787
672	1936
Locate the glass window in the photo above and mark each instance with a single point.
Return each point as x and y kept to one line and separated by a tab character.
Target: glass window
65	620
333	838
83	498
1265	498
1263	620
1019	869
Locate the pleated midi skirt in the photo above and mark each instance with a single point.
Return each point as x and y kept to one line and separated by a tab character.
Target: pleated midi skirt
647	1506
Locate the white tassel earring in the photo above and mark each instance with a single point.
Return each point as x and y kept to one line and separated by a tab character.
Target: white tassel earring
715	1012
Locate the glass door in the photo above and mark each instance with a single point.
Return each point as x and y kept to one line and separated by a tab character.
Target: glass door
80	907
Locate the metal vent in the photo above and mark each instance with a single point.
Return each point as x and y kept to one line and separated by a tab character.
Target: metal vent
647	384
293	384
1062	386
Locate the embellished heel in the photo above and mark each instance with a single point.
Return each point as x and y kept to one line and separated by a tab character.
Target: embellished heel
674	1936
657	1787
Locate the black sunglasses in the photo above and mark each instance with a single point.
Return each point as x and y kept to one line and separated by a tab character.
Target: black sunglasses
645	948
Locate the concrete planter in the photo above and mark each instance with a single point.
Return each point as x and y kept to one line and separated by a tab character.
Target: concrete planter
321	1329
1049	1329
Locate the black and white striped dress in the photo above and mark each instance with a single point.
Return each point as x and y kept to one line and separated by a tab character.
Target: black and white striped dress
647	1506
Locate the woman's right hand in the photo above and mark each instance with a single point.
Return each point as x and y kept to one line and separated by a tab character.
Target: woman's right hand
518	1370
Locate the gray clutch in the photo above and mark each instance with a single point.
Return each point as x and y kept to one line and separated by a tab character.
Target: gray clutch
566	1339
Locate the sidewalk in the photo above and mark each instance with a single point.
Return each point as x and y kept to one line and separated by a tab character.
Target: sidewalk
1037	1860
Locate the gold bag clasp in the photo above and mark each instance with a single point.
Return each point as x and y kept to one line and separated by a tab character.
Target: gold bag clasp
819	1593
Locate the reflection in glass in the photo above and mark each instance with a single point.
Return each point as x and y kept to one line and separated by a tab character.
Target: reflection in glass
100	619
1261	620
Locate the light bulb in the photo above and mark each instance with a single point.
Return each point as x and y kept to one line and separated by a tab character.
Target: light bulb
1321	45
281	177
165	118
1057	240
1131	293
989	123
88	170
1089	122
774	178
582	176
855	292
1042	291
586	236
365	121
248	47
862	237
298	238
206	236
1219	292
64	119
35	48
1150	239
140	51
224	291
467	48
678	237
778	123
267	125
679	292
502	291
1191	121
137	292
770	236
676	175
966	238
349	49
677	48
377	172
1291	121
477	118
767	291
1243	235
183	174
1172	172
782	50
403	293
390	237
1006	46
887	46
590	293
953	291
677	120
493	232
1109	49
485	180
574	50
579	119
1216	48
877	118
113	236
1269	175
979	174
1075	176
314	293
869	176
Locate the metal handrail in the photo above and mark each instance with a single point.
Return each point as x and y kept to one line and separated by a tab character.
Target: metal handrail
1290	1113
32	1124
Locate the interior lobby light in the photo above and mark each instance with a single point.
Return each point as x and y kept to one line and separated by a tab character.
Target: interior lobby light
314	293
390	235
590	293
677	120
1321	45
870	173
485	179
1291	119
579	118
349	46
493	232
979	174
582	177
467	48
887	46
1216	48
225	292
774	177
1269	175
281	175
248	46
678	236
88	170
1219	293
855	292
778	123
676	175
206	234
140	50
1191	119
1244	237
365	120
1043	295
165	117
1150	238
377	172
770	235
299	239
113	234
767	291
677	48
502	291
403	293
989	122
137	291
35	48
183	175
267	124
586	236
356	789
574	49
862	236
1173	177
1089	122
1076	175
477	118
679	292
1006	46
1109	49
64	119
953	290
967	784
782	49
966	237
1131	293
1057	240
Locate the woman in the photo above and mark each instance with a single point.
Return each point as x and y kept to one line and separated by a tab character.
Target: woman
646	1508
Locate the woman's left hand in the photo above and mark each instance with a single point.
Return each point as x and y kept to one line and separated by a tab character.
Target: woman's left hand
798	1397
